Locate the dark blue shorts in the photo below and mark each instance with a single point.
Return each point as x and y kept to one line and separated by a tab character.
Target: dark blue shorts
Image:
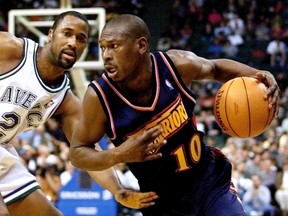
212	193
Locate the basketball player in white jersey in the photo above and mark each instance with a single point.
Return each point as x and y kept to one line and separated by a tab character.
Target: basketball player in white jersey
33	88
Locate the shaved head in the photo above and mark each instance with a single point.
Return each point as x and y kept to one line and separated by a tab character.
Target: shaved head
132	25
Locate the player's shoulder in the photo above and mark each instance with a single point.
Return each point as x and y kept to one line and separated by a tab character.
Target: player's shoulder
176	53
10	38
11	45
182	58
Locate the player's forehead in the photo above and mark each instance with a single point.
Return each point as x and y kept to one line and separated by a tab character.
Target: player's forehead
70	21
73	24
113	34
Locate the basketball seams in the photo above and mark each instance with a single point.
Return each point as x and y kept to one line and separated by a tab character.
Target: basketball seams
240	108
226	114
248	104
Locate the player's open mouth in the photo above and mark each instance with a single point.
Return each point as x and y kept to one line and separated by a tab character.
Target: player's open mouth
111	71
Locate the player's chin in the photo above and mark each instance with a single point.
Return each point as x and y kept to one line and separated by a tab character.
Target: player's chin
67	64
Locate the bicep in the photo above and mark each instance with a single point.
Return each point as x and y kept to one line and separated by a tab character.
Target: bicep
190	66
91	125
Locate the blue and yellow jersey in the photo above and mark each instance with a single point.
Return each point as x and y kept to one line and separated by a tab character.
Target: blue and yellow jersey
172	108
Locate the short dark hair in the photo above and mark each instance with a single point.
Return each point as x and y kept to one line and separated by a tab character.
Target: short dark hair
135	26
61	16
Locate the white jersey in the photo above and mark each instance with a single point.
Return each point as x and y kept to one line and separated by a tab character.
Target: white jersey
25	101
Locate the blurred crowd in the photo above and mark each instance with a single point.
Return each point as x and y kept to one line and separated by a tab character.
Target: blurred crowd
250	31
253	32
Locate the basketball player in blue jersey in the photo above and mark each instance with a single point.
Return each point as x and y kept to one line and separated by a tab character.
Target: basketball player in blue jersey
142	90
33	88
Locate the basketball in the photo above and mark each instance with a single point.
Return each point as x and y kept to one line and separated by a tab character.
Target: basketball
240	108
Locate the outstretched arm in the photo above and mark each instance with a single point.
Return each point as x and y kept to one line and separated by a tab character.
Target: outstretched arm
194	68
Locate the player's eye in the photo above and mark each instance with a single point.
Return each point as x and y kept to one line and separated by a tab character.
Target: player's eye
67	34
114	46
81	39
102	48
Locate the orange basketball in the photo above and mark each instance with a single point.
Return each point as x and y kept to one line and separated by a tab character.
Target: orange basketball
240	109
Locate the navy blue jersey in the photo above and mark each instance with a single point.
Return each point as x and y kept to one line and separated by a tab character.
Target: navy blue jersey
184	164
171	107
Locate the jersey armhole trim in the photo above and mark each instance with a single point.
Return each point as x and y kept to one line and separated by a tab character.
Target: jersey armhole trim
102	97
183	88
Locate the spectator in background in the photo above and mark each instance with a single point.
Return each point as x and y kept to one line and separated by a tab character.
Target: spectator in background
236	39
3	24
41	136
67	174
262	31
214	17
284	124
253	165
268	174
207	34
215	49
229	50
283	146
210	125
164	43
42	153
236	24
63	151
276	50
230	149
28	155
223	28
277	26
256	200
54	129
48	178
250	31
281	194
241	182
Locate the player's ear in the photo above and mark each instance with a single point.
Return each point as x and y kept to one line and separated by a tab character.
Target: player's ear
50	35
142	44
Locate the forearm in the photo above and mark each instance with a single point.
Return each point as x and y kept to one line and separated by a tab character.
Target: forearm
132	199
90	159
107	179
226	69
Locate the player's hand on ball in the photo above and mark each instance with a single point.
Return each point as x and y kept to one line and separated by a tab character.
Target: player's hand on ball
135	199
273	92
